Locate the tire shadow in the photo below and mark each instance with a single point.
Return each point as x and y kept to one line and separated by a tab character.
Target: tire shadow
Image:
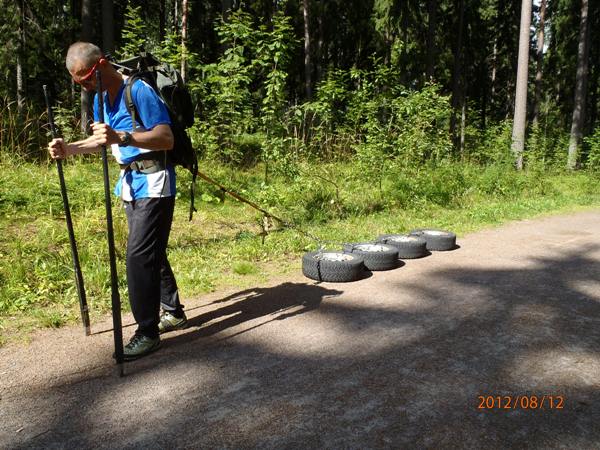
456	247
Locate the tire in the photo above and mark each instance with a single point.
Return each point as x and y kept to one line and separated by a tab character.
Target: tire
437	240
333	266
377	256
409	247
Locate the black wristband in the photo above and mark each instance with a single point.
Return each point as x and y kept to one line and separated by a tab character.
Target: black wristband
126	139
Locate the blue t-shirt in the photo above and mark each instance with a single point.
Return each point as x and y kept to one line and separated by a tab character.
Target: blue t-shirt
132	184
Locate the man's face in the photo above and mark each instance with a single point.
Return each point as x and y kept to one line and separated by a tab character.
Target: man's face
85	75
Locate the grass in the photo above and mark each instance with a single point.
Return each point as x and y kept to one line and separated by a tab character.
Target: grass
223	245
245	268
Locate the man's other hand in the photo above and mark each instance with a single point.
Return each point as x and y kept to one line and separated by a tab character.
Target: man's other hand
57	149
104	135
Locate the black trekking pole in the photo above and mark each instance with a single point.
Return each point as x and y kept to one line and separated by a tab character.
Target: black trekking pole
85	316
114	286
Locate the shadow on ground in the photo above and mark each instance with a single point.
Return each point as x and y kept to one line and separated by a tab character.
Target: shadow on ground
361	373
279	302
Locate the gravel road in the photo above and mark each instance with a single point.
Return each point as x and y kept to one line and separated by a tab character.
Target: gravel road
493	345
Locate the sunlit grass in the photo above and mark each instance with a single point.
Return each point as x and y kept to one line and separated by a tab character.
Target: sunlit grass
222	247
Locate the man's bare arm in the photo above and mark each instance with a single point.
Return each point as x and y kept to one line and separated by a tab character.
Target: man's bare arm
158	138
59	149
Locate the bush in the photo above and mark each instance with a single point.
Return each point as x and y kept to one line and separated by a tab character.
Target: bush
493	145
593	156
443	185
545	150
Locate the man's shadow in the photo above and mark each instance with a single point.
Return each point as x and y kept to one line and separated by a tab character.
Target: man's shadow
281	302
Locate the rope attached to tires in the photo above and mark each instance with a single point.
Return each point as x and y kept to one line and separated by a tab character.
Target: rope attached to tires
285	223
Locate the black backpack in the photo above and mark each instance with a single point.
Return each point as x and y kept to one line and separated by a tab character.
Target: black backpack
168	84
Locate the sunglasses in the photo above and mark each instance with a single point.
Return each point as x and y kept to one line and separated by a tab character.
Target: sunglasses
88	76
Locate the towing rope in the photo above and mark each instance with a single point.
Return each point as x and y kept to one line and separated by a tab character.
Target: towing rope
321	243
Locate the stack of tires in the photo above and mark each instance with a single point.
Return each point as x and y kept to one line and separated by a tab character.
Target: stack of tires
354	261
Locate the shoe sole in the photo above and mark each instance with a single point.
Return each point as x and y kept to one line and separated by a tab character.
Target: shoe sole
141	355
180	326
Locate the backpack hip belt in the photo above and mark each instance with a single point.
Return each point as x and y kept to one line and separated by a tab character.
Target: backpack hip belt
146	166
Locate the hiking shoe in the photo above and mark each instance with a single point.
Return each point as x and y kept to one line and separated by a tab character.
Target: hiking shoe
139	346
168	322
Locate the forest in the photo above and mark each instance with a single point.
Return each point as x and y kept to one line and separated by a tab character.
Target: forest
347	119
402	81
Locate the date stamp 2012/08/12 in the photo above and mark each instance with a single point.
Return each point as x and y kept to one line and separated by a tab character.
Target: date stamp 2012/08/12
520	402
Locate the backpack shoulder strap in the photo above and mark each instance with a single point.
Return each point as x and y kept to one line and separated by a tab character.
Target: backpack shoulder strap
129	103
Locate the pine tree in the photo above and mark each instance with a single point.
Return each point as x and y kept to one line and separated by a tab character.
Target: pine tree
520	117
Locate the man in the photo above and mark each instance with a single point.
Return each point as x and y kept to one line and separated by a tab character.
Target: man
146	186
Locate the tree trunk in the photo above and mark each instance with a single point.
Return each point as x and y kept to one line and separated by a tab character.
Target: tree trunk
594	99
463	125
175	14
20	53
226	6
321	41
86	36
20	91
484	106
539	62
75	17
580	88
307	56
404	74
162	23
520	117
431	49
457	73
493	76
108	26
184	19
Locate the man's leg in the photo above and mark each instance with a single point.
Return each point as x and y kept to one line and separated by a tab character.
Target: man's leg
146	246
173	317
169	294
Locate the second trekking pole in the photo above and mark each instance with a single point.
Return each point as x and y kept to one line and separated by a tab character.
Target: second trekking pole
85	315
114	285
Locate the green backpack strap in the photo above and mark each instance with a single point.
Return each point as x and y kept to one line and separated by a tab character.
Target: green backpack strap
129	101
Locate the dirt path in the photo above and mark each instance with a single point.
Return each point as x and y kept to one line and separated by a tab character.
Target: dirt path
397	360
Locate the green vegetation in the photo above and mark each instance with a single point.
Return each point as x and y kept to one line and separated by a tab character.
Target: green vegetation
222	246
381	131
